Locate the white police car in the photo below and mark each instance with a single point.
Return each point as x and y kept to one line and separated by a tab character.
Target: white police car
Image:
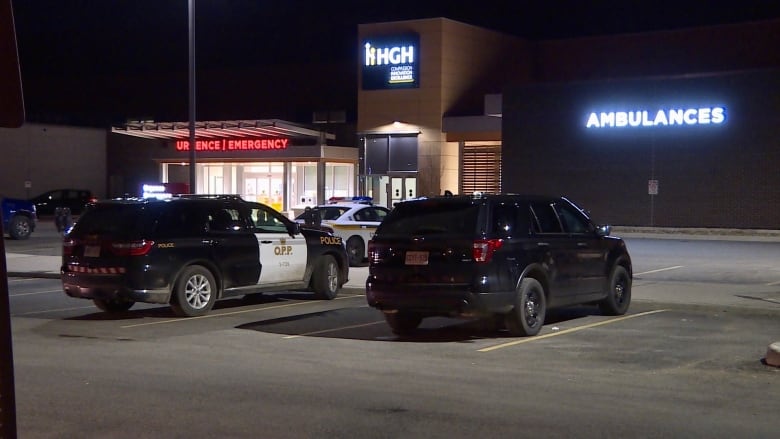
354	219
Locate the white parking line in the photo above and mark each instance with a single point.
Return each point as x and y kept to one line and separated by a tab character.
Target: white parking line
567	331
209	316
52	310
324	331
771	284
659	270
34	293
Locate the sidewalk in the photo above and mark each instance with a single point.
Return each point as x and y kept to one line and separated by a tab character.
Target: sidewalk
24	265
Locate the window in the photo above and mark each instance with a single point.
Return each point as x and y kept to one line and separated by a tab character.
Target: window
481	168
546	218
511	220
572	221
266	221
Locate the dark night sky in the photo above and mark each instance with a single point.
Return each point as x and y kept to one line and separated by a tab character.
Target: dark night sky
64	44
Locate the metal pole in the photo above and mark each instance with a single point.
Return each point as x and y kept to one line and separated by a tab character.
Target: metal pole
193	173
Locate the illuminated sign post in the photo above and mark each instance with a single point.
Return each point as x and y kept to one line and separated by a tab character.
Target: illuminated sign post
391	62
657	118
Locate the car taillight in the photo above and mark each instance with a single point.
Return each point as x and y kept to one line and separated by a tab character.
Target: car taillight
373	252
67	247
133	248
483	249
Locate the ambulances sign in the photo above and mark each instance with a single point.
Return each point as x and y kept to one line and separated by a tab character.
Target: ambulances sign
391	62
657	117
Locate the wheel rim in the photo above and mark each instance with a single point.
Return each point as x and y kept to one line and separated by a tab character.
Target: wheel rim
620	291
333	277
22	228
531	309
198	291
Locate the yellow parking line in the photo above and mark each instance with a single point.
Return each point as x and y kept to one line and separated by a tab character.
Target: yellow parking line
208	316
567	331
334	329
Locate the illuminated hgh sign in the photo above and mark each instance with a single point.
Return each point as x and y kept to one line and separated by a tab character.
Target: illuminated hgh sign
656	118
394	55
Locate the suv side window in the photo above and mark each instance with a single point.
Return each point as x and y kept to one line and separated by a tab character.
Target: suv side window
181	221
264	221
546	218
511	220
572	221
224	219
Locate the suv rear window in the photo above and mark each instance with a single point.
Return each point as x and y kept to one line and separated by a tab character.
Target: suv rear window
427	218
119	221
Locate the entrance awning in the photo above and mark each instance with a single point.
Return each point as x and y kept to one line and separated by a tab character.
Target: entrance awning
219	129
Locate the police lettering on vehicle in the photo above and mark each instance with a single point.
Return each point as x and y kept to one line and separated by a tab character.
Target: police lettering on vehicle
330	240
166	245
283	250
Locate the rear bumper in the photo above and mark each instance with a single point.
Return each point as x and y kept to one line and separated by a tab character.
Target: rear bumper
109	287
459	300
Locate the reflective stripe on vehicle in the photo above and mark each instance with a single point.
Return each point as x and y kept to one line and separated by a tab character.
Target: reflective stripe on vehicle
101	270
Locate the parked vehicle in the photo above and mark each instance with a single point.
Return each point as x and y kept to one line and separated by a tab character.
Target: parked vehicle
73	199
189	251
504	257
19	217
355	220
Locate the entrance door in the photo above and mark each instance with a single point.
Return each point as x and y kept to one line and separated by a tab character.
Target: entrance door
400	189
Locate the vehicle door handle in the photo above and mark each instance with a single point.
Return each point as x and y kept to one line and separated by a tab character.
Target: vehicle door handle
543	244
265	242
210	242
582	244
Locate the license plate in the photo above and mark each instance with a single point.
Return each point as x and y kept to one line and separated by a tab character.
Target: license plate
92	251
416	258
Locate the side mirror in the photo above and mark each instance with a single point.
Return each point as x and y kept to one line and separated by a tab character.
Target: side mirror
604	230
293	228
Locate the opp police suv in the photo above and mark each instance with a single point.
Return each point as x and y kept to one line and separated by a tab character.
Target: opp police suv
189	251
504	256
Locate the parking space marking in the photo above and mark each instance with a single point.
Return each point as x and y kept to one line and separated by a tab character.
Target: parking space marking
52	310
34	293
208	316
771	284
324	331
568	331
659	270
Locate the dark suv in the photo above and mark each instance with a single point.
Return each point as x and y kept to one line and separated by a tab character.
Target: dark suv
505	256
192	250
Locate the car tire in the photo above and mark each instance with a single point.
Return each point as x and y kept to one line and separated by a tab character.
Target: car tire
403	322
20	227
325	278
356	250
619	294
194	293
527	315
113	305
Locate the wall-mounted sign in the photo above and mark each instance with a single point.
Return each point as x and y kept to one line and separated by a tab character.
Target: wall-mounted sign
391	62
656	118
270	143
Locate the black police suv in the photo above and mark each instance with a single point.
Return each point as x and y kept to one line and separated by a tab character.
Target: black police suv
503	256
190	251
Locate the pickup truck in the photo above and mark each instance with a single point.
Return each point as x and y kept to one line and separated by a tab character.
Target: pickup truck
19	217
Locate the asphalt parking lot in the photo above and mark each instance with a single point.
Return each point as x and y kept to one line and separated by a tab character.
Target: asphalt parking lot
687	360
